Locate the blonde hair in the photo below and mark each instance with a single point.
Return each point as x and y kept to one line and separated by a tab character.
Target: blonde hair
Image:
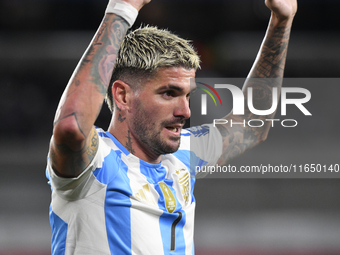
146	49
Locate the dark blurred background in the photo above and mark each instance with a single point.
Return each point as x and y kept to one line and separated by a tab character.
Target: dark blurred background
41	42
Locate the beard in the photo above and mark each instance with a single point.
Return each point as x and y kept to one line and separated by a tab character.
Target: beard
149	134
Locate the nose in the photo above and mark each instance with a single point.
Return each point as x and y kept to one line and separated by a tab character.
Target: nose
182	108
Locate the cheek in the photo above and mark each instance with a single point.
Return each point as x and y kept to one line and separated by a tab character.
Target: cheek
145	113
152	110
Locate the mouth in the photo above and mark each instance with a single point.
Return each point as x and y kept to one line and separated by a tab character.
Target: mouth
173	129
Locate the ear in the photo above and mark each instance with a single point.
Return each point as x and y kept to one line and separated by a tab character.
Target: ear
122	93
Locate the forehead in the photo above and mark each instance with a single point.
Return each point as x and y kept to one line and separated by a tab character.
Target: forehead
175	76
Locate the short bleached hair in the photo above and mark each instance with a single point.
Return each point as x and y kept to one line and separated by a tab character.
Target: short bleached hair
145	50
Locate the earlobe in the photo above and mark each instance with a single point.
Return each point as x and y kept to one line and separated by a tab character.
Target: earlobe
121	95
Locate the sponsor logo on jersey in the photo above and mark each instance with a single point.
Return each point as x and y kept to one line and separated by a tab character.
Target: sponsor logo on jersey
145	195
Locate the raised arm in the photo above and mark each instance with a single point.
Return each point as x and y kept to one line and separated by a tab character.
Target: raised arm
269	63
75	140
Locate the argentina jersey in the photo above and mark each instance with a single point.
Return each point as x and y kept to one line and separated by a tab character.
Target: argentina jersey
123	205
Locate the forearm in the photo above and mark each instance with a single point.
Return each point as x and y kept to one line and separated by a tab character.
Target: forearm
271	59
265	75
84	95
267	72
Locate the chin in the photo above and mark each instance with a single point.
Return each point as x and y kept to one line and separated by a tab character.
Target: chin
167	148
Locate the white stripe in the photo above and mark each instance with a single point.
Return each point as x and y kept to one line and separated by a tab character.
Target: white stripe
188	229
86	227
145	213
145	231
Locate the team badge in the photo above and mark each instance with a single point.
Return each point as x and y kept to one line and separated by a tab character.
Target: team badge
169	198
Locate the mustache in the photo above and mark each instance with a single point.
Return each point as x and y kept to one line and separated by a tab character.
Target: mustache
173	122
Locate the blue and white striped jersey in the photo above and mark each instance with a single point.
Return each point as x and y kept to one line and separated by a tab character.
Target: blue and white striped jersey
123	205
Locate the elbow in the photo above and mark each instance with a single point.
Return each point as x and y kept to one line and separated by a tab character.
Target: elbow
67	132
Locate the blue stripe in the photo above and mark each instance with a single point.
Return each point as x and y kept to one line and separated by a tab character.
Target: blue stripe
110	167
59	233
190	159
192	182
185	132
117	202
180	241
117	143
154	173
166	220
107	134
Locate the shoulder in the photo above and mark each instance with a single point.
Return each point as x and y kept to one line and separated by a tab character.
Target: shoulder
199	135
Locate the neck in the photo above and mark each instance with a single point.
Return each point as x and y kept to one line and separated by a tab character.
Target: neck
120	129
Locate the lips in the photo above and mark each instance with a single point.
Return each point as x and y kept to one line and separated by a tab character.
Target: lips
173	129
174	126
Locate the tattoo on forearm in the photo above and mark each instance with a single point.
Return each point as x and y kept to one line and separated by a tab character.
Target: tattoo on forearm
269	64
235	141
93	146
274	53
128	144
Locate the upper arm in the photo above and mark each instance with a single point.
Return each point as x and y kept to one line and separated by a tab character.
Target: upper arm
237	138
71	159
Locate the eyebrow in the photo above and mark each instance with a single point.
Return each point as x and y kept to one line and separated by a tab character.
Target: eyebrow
169	86
175	87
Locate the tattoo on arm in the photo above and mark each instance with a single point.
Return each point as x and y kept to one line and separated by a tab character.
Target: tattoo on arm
97	64
74	115
93	145
76	161
235	141
270	64
273	57
111	36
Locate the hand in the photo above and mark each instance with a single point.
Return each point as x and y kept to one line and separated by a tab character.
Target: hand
138	4
282	9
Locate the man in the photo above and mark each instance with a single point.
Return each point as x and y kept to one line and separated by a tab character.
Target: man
130	190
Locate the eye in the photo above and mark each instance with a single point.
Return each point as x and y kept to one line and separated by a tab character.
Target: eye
169	93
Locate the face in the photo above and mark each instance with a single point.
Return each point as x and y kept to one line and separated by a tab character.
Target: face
160	109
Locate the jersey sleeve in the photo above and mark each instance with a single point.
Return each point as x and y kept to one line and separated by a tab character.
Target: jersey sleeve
203	145
80	186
